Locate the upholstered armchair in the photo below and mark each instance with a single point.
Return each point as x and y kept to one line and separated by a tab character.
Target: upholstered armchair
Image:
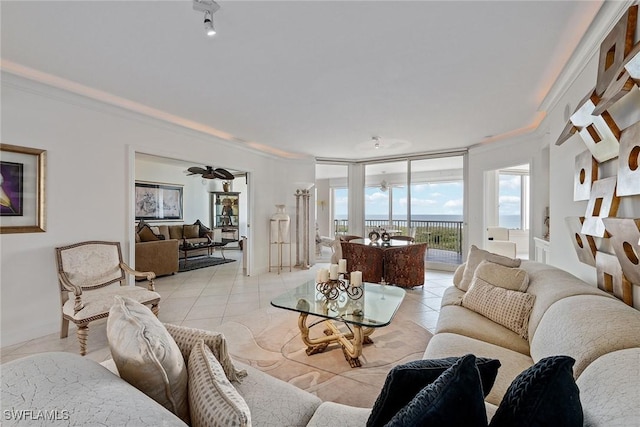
90	274
365	258
404	265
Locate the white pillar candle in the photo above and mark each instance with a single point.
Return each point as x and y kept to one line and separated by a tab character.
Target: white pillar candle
342	265
325	275
356	278
333	272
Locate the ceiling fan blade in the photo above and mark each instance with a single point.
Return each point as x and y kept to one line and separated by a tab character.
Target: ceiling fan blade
223	174
196	170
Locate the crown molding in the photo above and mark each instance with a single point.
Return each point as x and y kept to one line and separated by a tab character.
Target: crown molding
606	18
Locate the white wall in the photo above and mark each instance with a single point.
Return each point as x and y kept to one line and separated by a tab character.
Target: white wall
89	189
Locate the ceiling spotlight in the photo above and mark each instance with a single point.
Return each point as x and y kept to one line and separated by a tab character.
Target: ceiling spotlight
376	140
208	24
209	7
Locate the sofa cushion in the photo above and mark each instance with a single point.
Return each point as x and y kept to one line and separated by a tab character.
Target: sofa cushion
509	308
457	320
609	390
191	231
147	235
76	386
146	356
585	327
451	296
515	279
543	395
336	414
274	402
212	399
475	257
446	344
186	338
550	284
404	381
175	232
454	398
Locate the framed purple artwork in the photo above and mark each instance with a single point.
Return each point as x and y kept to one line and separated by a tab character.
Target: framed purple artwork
22	207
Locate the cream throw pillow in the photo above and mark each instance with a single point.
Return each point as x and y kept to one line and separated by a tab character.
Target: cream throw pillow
476	256
514	279
146	356
187	338
510	309
213	399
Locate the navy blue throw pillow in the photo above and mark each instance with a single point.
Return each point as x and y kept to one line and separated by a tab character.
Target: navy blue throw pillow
455	398
543	395
405	381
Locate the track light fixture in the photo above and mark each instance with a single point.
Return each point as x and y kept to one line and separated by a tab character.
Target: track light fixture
209	7
208	24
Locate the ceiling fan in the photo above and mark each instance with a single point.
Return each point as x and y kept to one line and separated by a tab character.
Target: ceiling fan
210	172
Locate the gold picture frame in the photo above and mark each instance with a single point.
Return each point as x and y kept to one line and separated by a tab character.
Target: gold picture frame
22	189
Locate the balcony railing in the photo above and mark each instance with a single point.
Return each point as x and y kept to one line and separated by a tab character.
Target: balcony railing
439	235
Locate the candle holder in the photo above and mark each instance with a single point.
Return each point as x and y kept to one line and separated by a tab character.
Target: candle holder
331	289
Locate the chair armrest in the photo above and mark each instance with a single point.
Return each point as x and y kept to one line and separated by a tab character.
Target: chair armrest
70	287
149	275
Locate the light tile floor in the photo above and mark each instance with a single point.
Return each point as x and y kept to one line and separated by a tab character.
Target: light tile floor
207	297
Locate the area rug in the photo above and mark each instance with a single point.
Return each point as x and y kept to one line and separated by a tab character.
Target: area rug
269	340
201	262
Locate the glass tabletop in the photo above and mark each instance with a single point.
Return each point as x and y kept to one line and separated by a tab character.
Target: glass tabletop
377	305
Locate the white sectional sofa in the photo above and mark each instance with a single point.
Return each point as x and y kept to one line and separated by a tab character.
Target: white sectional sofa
569	317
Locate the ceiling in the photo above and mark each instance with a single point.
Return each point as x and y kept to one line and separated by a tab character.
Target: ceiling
310	78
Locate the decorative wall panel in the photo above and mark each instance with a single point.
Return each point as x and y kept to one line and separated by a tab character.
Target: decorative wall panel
633	66
611	279
625	241
600	133
603	203
584	244
614	48
629	162
586	172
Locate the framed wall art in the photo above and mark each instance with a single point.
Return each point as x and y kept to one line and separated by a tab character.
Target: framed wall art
155	201
22	178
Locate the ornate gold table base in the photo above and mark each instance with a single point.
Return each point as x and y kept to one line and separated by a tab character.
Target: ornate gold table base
351	342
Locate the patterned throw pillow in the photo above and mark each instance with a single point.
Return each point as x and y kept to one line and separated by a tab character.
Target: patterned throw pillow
405	381
186	338
543	395
454	399
476	256
510	309
213	399
146	356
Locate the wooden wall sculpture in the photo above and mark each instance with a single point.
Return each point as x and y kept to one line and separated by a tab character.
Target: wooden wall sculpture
584	244
586	173
629	162
600	133
625	240
618	78
611	279
603	203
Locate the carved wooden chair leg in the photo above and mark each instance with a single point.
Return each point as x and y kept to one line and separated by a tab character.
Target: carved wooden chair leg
83	332
64	328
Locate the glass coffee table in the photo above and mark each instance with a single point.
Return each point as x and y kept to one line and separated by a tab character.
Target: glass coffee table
362	316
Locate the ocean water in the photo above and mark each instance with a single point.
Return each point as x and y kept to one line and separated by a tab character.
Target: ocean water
508	221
